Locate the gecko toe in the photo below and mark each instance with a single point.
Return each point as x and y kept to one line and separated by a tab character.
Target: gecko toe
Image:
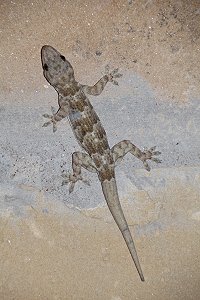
46	124
158	161
71	187
147	167
47	116
54	128
156	153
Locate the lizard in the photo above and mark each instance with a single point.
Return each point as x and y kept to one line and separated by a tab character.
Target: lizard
91	136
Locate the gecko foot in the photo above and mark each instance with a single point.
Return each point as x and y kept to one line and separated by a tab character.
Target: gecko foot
112	75
71	179
52	120
148	154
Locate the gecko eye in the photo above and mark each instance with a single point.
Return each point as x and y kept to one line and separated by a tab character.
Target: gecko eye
45	67
62	57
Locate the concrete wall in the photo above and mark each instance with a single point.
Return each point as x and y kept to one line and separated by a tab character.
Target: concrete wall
60	246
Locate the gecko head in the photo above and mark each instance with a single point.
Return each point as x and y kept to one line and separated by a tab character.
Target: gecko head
56	69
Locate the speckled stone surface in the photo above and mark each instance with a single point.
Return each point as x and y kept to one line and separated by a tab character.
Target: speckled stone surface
60	246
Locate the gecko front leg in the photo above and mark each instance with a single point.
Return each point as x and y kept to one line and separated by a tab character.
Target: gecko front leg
52	119
97	88
79	160
123	147
59	115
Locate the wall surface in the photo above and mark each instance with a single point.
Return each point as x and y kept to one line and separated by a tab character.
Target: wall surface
59	246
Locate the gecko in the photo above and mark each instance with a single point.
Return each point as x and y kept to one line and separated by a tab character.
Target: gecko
97	157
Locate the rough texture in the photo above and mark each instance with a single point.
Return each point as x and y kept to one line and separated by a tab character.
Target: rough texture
156	46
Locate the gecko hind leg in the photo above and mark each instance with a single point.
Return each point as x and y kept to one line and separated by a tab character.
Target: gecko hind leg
78	160
123	147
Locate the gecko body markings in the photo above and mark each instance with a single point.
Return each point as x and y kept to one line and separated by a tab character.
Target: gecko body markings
91	136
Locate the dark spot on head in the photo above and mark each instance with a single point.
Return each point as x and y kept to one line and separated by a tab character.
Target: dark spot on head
45	67
62	57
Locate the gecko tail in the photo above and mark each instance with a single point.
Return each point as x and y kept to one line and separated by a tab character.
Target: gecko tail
111	195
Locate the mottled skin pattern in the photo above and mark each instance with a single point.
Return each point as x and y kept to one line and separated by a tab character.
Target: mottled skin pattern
90	134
